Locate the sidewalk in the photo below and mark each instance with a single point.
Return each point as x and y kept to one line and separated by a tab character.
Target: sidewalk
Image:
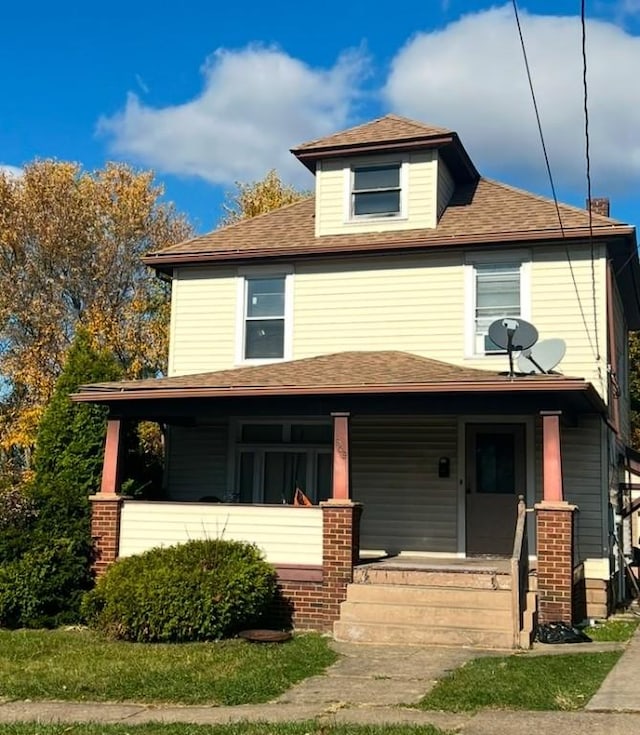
370	685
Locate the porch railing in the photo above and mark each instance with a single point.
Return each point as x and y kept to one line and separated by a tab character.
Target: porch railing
519	571
286	534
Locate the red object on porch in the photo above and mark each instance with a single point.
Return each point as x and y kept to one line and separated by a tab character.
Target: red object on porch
341	490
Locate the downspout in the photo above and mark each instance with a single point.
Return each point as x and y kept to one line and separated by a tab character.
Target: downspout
612	363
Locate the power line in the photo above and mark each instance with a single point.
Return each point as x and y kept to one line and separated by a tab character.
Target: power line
594	350
583	26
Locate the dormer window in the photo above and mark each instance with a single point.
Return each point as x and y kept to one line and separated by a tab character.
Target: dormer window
375	191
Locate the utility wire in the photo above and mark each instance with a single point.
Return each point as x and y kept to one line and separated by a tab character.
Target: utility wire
583	25
595	350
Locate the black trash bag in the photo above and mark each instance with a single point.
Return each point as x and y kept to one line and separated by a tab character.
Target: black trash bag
559	632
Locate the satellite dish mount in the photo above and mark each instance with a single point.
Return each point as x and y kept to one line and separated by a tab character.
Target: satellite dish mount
512	335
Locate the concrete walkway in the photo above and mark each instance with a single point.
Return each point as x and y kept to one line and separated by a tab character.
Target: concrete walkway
370	685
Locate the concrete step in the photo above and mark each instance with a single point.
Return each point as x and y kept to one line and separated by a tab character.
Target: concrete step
464	579
449	597
383	633
425	615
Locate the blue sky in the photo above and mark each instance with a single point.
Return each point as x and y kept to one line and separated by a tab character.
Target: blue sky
208	93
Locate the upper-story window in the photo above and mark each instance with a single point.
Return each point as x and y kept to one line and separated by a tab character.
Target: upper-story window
265	322
494	290
376	191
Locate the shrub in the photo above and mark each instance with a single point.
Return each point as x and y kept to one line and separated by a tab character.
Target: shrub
198	591
40	588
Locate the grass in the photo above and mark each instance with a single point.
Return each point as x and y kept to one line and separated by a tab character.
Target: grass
555	682
243	728
612	630
79	665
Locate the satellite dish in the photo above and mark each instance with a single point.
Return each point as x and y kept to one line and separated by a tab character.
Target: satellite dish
512	334
542	357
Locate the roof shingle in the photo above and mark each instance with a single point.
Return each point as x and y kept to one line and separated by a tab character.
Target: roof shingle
479	212
339	373
387	129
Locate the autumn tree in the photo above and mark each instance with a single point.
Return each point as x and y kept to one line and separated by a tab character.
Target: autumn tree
70	249
258	197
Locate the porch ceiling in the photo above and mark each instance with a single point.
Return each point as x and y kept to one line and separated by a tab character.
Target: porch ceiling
382	374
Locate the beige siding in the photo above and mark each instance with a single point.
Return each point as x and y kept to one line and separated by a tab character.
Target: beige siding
560	307
286	535
414	304
557	311
446	185
407	507
203	320
197	462
332	195
584	484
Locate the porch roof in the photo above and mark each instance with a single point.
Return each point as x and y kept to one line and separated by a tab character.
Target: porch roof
343	373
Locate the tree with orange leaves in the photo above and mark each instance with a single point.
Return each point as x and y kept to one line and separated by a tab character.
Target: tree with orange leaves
70	248
258	197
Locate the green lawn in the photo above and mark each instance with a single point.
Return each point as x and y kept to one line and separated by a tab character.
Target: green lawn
555	682
612	630
79	665
299	728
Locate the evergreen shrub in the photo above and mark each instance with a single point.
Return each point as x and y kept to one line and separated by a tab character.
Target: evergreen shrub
198	591
40	588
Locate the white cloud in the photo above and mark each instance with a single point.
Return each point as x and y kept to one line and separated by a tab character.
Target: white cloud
255	104
13	172
470	77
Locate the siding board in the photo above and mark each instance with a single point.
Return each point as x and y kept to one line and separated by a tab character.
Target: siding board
286	535
395	475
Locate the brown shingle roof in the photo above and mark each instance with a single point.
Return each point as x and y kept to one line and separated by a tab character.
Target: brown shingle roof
339	373
485	211
387	129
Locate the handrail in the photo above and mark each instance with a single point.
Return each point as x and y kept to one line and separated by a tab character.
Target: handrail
519	570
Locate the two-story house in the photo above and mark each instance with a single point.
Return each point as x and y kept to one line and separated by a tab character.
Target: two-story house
340	346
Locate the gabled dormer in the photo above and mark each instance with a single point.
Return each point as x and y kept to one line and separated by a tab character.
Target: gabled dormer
386	175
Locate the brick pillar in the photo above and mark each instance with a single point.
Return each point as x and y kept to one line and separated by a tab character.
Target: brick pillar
105	529
340	551
555	561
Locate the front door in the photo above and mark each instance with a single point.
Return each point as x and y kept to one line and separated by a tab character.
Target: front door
495	476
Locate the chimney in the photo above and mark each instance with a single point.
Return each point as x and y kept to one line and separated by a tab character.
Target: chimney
599	205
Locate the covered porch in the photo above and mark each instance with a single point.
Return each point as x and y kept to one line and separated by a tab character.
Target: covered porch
409	441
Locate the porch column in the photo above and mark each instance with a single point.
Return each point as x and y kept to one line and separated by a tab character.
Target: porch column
340	552
341	489
551	457
106	505
555	522
112	457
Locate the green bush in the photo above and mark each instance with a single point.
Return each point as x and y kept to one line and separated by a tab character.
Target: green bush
198	591
40	588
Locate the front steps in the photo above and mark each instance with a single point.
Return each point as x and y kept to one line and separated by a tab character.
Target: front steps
416	604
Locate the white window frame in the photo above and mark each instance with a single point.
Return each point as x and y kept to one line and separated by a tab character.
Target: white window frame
237	446
507	257
244	275
349	178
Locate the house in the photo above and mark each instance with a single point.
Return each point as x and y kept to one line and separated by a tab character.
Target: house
340	346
